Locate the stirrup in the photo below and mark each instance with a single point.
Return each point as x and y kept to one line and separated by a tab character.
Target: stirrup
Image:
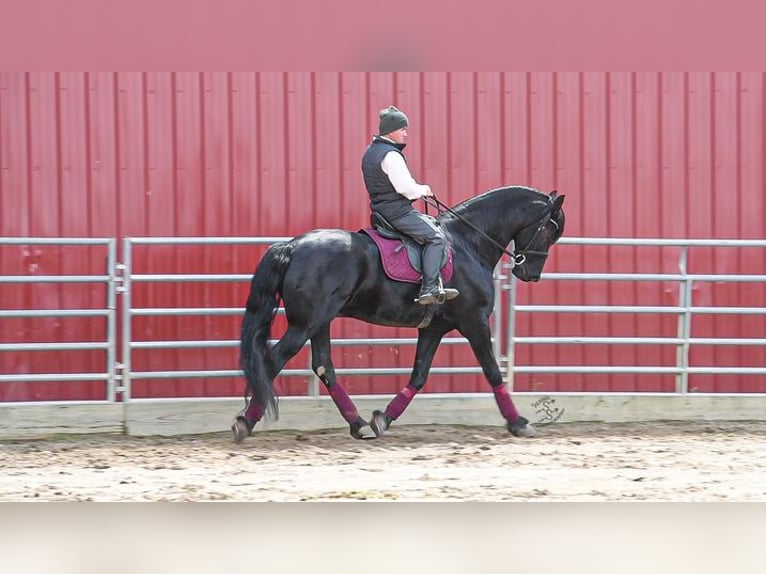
447	294
429	299
438	294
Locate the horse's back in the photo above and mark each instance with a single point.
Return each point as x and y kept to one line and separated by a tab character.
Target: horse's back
335	252
332	243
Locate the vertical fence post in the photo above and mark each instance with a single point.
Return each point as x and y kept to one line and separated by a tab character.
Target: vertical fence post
511	347
497	315
684	324
313	386
127	295
111	321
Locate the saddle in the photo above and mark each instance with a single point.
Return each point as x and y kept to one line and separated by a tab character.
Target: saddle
400	255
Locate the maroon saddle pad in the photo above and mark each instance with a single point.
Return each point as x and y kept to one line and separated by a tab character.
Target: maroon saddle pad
401	261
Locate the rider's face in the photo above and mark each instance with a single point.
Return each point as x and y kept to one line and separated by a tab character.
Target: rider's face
399	136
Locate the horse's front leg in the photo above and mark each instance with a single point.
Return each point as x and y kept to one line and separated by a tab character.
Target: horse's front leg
321	363
428	342
480	339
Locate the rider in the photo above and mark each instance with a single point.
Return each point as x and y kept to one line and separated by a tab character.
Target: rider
392	191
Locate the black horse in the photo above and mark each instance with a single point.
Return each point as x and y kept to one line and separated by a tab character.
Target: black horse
330	273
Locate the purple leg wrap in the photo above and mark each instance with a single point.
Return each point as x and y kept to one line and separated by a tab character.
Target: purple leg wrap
344	403
400	402
254	412
504	401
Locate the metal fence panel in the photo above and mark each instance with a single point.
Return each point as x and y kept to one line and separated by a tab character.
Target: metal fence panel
685	342
309	386
689	335
28	362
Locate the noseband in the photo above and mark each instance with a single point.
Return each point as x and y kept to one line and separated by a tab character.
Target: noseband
519	256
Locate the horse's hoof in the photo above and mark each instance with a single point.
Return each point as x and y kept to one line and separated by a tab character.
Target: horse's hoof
521	428
380	423
241	429
361	430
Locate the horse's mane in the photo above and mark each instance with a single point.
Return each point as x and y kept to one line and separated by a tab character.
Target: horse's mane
466	206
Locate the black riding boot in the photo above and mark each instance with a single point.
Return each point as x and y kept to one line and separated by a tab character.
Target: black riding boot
432	291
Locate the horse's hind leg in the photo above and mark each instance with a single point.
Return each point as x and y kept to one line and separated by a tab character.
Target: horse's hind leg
287	347
246	419
321	363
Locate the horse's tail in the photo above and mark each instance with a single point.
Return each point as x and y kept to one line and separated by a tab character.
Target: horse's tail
260	310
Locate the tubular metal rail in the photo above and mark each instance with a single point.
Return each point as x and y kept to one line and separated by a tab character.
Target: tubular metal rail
685	310
120	280
108	310
130	277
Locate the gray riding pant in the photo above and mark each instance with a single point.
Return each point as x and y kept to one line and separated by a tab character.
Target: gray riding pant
424	232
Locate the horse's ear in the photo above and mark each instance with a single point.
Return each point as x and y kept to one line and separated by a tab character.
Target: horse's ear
557	202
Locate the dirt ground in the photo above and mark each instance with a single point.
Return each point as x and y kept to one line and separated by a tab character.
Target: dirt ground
706	461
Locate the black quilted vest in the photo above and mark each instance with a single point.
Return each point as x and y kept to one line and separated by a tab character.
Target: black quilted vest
383	196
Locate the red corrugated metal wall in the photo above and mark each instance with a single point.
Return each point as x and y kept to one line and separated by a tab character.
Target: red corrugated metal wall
261	154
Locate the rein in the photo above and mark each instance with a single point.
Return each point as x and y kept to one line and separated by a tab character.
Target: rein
519	256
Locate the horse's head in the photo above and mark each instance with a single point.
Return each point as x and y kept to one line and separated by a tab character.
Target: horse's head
532	243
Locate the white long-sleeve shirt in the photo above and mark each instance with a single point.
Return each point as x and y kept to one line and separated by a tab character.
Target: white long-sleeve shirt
395	167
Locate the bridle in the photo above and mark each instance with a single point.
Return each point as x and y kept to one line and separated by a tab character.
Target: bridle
519	256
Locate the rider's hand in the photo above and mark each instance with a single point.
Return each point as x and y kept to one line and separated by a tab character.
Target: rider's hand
427	191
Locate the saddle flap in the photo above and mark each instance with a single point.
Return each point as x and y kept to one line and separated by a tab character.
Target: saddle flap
401	257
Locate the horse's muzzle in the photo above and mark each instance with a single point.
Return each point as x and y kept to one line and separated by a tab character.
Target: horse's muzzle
522	273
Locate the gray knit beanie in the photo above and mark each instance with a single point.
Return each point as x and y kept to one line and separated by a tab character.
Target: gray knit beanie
392	119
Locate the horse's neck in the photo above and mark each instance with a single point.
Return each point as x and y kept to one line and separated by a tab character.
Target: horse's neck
500	214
